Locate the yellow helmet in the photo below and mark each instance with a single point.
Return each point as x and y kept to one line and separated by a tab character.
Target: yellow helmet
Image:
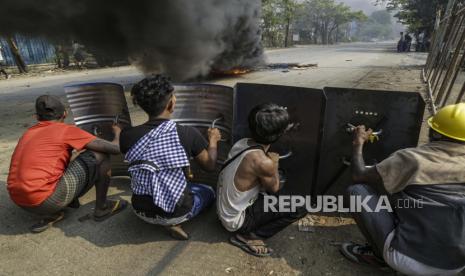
450	121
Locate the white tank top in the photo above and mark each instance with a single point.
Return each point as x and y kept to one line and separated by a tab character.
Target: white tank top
231	203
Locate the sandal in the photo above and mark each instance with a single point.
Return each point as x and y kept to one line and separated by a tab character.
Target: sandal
248	247
115	208
176	232
46	223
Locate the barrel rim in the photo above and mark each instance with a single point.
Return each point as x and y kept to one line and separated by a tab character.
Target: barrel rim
202	84
70	85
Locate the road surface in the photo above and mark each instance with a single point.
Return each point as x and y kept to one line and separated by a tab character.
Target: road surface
124	245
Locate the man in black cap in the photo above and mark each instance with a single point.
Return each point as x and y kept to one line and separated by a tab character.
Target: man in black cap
46	177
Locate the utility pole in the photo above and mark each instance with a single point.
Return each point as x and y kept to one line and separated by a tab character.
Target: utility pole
22	67
288	26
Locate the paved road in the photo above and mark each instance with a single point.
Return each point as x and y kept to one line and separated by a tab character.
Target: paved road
125	245
338	65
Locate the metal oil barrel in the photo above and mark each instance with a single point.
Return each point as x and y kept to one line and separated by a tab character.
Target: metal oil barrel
95	107
198	105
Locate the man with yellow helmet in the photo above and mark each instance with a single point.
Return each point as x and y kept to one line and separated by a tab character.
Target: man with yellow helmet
424	233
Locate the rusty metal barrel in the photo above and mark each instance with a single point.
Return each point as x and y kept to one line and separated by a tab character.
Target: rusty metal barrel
199	105
95	108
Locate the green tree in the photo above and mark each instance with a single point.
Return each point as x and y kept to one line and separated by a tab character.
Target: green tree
378	26
323	20
278	16
382	17
419	15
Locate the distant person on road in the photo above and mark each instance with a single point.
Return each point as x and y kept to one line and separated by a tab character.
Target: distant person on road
158	153
3	63
78	53
400	44
420	47
250	170
407	42
54	164
425	232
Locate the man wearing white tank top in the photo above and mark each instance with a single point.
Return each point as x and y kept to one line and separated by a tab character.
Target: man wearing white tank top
249	172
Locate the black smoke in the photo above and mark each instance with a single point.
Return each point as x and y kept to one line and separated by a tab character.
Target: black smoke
182	38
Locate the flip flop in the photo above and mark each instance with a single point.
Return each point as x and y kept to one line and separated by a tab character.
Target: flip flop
119	205
44	224
246	247
176	232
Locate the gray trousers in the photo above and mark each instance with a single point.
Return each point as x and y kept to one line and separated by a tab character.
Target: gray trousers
379	229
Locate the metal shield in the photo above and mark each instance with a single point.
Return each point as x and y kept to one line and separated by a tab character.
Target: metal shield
305	106
199	105
398	114
95	107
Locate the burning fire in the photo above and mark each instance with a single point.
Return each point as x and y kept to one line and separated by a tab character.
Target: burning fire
237	71
231	72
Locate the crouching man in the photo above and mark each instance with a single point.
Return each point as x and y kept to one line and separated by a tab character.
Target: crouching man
44	180
425	233
250	170
158	152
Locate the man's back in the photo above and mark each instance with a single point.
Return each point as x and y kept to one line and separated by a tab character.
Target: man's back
434	163
190	138
429	183
233	200
40	158
239	183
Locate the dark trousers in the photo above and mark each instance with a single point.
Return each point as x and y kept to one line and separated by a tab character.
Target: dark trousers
267	224
375	226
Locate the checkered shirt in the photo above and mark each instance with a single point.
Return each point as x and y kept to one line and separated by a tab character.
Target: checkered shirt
156	166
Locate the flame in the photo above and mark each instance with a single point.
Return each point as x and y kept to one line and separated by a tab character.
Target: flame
238	71
232	72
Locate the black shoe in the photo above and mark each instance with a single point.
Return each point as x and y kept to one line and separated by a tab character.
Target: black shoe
361	254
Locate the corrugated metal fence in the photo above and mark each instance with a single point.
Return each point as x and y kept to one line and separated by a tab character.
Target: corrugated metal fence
444	70
33	50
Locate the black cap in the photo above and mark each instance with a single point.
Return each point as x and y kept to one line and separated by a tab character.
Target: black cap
49	108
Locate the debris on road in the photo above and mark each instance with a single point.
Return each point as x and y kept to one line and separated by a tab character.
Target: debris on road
289	66
305	65
310	222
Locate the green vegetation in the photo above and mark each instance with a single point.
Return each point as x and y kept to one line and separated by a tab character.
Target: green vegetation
316	21
419	15
377	27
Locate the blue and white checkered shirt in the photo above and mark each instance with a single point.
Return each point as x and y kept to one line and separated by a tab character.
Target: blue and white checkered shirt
156	166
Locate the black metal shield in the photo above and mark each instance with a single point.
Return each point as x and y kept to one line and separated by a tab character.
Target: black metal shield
398	114
305	106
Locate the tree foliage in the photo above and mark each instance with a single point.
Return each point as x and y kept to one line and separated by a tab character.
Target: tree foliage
378	26
277	16
419	15
325	21
317	21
